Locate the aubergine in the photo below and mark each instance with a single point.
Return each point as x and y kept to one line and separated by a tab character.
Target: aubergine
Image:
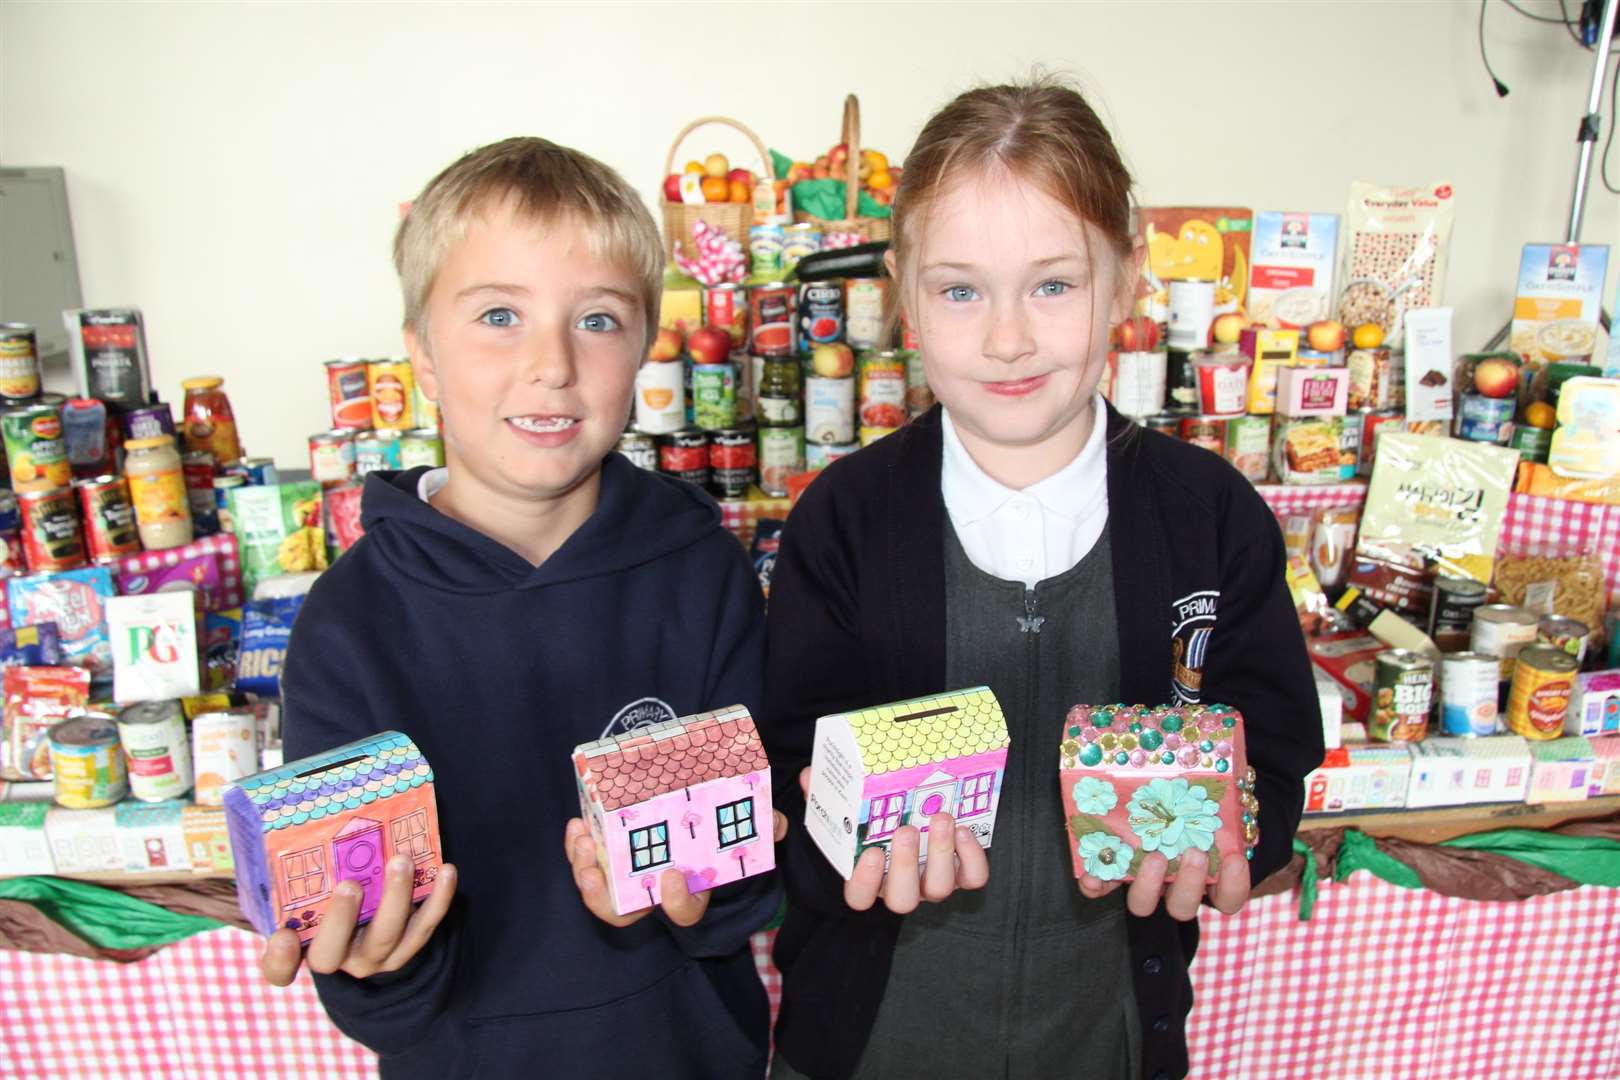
861	261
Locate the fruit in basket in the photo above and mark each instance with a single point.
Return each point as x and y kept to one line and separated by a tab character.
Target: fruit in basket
672	187
1326	335
833	360
880	181
820	170
716	165
1498	377
693	167
666	346
1539	414
875	159
709	345
741	174
739	192
716	189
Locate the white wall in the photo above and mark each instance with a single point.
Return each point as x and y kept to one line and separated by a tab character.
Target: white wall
235	170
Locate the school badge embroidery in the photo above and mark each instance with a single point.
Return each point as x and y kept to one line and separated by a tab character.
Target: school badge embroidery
1193	617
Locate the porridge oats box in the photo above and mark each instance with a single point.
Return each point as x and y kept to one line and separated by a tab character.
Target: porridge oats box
1293	256
1559	296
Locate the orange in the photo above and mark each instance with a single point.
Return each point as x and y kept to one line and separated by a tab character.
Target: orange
1539	414
716	189
739	191
880	180
1367	336
878	162
693	166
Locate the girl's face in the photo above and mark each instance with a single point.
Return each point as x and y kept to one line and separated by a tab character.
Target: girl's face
1013	320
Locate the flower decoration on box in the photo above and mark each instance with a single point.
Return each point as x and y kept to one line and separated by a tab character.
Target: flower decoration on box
718	257
1173	816
1105	856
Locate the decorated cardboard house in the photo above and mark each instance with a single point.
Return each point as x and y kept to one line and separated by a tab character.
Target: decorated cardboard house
877	769
692	794
1136	780
298	830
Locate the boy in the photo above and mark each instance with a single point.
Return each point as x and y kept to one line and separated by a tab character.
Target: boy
537	592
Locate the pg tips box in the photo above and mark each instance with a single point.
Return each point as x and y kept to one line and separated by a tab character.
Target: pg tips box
876	769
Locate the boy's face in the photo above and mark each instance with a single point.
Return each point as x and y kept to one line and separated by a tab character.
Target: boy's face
533	348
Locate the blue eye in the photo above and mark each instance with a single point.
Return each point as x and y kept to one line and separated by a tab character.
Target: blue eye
960	294
1053	288
599	323
501	317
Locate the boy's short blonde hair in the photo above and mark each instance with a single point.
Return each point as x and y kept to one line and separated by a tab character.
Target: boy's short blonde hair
546	182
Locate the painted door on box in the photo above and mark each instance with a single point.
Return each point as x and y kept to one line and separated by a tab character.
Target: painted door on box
935	795
358	855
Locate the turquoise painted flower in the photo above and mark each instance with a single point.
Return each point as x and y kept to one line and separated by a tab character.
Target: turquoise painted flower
1094	796
1172	816
1105	856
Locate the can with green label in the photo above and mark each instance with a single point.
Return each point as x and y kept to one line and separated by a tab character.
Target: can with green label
421	446
35	448
1532	443
714	396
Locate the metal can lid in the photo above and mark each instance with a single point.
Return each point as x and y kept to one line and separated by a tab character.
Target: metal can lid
1470	657
202	382
16	326
1505	613
91	729
256	462
41	496
1548	658
346	361
1564	624
229	481
149	712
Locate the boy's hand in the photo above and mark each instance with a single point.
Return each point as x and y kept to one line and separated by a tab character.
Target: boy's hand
955	861
394	935
1183	896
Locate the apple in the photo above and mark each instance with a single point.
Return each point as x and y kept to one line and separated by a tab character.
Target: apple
1497	377
838	154
741	174
672	187
709	345
1228	328
666	346
1137	334
1326	335
716	165
833	360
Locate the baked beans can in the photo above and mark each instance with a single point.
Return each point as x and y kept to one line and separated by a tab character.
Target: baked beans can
684	454
1501	630
35	449
714	396
781	454
1451	613
919	395
331	457
1468	688
829	409
882	389
1248	446
733	461
421	446
660	397
1164	423
1223	384
818	456
863	312
52	539
725	307
392	387
19	363
1403	694
1485	419
349	392
770	318
375	451
109	518
87	768
1543	679
821	314
148	422
224	748
640	448
1563	632
156	749
1206	431
1370	422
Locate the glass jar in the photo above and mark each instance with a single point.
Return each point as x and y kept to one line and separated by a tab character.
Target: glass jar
209	424
157	486
778	402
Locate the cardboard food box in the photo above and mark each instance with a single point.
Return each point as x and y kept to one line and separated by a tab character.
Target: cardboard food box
1594	706
1291	276
1363	776
692	794
151	836
1348	659
1560	293
876	769
154	645
1271	351
1203	243
1562	771
84	841
1331	698
299	830
1450	771
210	566
1173	779
1312	391
24	848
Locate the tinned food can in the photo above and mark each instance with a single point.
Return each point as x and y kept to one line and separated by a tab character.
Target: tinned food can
109	518
733	461
1451	614
87	768
1485	419
224	748
821	314
1563	632
684	454
1206	431
421	446
1403	694
1370	422
725	307
882	389
223	486
781	454
1543	679
714	396
863	312
157	750
331	457
1501	630
19	363
1248	446
1468	688
1164	423
375	451
12	559
770	317
818	456
392	389
919	395
35	449
349	393
829	409
640	448
52	538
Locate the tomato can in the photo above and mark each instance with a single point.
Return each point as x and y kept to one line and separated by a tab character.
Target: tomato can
829	409
882	389
224	748
1468	688
52	539
1370	421
770	316
821	314
733	461
1403	694
421	446
725	307
1543	679
1563	632
331	457
109	518
157	750
1223	384
35	448
781	454
1451	614
1501	630
87	768
863	312
684	454
391	386
349	392
19	363
375	451
1206	431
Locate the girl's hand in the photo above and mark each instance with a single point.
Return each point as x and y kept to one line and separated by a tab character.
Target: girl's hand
393	936
683	907
955	861
1184	895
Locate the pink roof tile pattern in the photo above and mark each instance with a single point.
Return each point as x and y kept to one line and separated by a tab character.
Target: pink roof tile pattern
653	761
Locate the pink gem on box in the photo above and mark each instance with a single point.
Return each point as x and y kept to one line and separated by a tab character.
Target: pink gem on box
1170	779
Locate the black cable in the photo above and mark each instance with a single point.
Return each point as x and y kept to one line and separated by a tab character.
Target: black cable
1501	87
1570	26
1533	15
1614	117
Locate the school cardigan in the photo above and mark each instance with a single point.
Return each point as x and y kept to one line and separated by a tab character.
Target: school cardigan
857	617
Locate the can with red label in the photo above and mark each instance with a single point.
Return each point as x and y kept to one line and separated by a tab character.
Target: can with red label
1371	420
733	461
153	734
1223	384
109	518
331	457
685	454
821	314
770	314
725	307
1543	679
1206	431
349	393
52	539
197	468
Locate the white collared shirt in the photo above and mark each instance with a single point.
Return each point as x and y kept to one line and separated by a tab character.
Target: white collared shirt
430	483
1036	533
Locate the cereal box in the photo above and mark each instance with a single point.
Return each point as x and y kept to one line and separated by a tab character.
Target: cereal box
211	566
1202	243
278	529
1555	313
1291	277
75	600
154	643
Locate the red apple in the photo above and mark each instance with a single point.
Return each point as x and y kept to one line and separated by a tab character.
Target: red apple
833	360
1138	334
741	174
1497	377
709	345
838	154
1326	335
666	346
672	187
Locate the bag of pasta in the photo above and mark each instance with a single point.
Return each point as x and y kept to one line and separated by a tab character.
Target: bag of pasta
1568	584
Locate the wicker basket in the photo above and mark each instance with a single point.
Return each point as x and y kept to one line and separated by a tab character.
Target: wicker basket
874	229
735	219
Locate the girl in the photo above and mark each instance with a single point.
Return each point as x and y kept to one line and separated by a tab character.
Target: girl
1024	535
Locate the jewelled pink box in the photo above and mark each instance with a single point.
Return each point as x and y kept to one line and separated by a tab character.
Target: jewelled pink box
1170	779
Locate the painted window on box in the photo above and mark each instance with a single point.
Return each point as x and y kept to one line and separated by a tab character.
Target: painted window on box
305	874
649	847
886	814
976	791
409	834
735	822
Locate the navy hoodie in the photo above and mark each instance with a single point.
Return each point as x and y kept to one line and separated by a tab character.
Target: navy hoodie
498	669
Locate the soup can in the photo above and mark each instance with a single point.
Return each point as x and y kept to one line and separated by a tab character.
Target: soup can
349	393
1468	687
725	307
733	461
1501	630
1139	382
374	451
52	538
421	446
224	748
770	317
19	363
1543	680
882	389
684	454
35	449
1206	431
1563	632
1223	385
331	457
392	387
109	517
829	409
88	769
157	749
1403	694
820	455
1451	613
640	448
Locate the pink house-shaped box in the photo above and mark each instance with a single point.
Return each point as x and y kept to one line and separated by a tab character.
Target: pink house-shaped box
693	795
